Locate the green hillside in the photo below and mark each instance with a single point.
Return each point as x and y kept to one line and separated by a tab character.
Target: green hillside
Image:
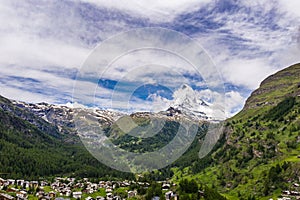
260	146
28	152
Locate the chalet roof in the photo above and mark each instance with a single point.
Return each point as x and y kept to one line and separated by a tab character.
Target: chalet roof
7	196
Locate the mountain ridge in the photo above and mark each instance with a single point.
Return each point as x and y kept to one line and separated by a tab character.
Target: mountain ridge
260	152
276	87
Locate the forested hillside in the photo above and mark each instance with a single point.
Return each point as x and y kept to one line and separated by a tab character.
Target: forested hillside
28	152
260	148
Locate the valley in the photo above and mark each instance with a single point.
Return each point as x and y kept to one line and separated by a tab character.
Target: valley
256	157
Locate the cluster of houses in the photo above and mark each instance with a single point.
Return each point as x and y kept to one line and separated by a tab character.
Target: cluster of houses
67	188
291	194
21	194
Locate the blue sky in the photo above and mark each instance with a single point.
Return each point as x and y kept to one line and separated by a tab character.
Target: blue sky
44	43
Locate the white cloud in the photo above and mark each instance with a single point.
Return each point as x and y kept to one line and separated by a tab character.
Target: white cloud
26	96
245	49
233	102
248	73
291	6
156	10
23	51
253	42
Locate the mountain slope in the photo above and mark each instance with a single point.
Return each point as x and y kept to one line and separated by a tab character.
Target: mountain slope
261	144
31	131
28	149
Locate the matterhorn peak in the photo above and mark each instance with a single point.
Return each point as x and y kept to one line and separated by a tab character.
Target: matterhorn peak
189	102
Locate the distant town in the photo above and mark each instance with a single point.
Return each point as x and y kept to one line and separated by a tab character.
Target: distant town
72	188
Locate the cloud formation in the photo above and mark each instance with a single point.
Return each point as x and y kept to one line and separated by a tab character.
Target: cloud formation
46	42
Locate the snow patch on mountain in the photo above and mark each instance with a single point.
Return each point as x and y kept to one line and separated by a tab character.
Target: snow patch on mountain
190	103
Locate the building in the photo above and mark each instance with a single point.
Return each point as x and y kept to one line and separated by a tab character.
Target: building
166	186
11	182
77	195
52	194
6	197
131	194
2	181
22	195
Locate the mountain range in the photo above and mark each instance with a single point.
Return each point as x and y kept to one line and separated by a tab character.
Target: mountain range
256	156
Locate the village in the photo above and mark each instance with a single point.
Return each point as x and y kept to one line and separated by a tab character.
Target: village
86	189
71	188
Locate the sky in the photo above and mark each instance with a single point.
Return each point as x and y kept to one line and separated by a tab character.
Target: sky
45	44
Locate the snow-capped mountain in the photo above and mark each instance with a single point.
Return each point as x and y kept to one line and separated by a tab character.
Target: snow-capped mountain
62	116
189	102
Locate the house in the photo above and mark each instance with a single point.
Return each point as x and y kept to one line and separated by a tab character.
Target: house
131	194
52	194
21	198
44	183
65	192
13	190
201	193
6	197
72	180
10	181
20	182
100	198
2	181
168	195
295	193
40	194
155	198
34	184
89	198
296	185
108	190
45	198
22	195
85	179
94	186
166	186
284	198
77	195
89	190
109	196
175	197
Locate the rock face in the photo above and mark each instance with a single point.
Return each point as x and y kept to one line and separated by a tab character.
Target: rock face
62	116
276	87
18	110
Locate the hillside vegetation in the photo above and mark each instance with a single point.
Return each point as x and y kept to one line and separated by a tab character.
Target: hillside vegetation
259	156
28	152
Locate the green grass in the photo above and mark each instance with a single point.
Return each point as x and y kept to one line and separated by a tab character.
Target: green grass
268	130
47	189
101	192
